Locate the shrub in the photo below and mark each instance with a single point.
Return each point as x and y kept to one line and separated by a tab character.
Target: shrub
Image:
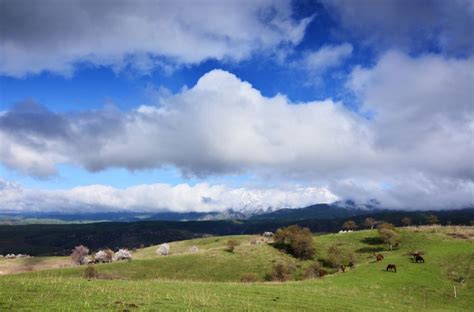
231	244
389	235
249	278
79	253
90	272
335	256
349	225
281	273
312	271
296	241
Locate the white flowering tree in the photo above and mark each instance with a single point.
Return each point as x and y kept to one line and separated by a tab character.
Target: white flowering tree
79	253
123	254
163	249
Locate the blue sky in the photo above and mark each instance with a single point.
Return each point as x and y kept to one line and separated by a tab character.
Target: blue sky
316	102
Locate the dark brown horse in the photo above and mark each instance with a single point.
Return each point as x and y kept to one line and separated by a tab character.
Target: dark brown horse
419	259
378	257
392	267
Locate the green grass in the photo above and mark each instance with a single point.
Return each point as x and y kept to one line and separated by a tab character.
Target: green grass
208	280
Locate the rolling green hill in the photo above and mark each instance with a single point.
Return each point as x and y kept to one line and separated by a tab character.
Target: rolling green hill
209	279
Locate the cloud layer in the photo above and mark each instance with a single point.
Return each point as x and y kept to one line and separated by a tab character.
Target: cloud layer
56	35
156	197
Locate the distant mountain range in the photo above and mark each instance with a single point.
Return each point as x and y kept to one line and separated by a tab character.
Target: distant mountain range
338	210
318	211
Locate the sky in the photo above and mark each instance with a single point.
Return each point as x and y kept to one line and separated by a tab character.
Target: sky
209	105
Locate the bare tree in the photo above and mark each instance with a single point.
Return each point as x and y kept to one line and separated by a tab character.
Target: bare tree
370	222
432	219
406	221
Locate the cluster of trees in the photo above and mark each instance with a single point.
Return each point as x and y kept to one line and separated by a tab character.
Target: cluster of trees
80	255
296	241
370	223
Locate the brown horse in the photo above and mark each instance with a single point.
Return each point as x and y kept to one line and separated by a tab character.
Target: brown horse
343	268
322	272
392	267
378	257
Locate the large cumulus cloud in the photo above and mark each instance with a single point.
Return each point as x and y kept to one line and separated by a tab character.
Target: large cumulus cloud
56	35
221	125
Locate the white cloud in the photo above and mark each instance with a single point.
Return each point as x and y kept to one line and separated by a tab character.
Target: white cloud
326	57
55	35
411	25
156	197
423	112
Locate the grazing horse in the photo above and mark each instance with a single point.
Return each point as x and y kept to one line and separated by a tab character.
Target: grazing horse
321	272
419	258
392	267
378	257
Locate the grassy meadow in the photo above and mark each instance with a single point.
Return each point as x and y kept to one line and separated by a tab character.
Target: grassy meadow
209	280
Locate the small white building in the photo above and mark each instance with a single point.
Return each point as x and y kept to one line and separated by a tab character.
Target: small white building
267	234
